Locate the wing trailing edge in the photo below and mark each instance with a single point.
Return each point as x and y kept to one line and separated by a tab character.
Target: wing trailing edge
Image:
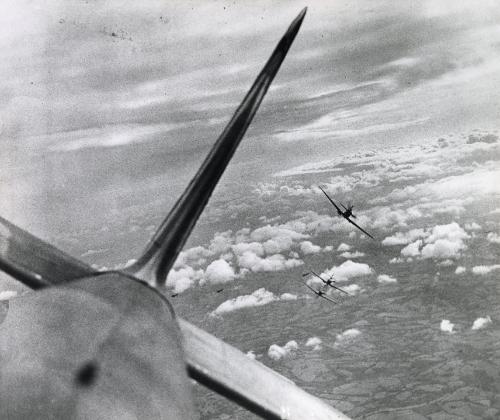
169	239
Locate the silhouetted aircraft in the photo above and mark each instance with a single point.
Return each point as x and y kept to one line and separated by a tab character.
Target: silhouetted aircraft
90	344
346	214
328	282
319	293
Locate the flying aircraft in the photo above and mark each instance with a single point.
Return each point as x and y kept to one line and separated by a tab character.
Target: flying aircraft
320	293
346	214
91	344
328	282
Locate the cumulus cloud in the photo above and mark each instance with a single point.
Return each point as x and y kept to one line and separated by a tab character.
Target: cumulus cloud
275	262
386	279
250	354
446	326
352	289
481	270
343	247
7	294
183	278
481	323
493	238
460	270
276	352
472	226
348	270
258	298
347	336
314	342
355	254
307	247
219	271
443	241
400	238
412	249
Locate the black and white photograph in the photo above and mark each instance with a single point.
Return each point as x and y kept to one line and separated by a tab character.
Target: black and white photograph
216	209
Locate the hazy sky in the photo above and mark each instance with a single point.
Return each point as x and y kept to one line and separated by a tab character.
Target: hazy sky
99	96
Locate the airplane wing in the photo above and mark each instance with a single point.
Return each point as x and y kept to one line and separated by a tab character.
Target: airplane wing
360	228
38	264
331	201
331	285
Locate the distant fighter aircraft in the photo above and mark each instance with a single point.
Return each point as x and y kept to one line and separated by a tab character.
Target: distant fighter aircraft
90	344
328	282
320	293
346	214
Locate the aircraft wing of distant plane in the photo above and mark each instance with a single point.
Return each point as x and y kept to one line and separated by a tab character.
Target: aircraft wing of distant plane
359	227
330	200
105	344
324	296
330	284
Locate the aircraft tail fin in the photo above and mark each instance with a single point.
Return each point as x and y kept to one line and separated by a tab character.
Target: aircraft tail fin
169	239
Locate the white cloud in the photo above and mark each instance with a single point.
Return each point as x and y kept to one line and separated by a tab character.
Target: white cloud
347	336
404	238
314	342
7	294
258	298
472	226
385	279
219	271
353	255
412	249
493	238
276	352
307	247
496	211
443	241
276	262
347	270
446	326
352	289
183	278
250	354
343	247
460	270
484	269
481	323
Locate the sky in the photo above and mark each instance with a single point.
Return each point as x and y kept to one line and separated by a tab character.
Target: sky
109	104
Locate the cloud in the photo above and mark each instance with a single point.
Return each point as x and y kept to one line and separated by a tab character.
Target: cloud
258	298
308	247
443	241
276	352
481	270
7	294
460	270
219	271
412	249
493	238
251	354
275	262
386	279
183	278
472	226
348	270
343	247
314	342
487	138
404	238
347	336
481	323
353	255
352	289
446	326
